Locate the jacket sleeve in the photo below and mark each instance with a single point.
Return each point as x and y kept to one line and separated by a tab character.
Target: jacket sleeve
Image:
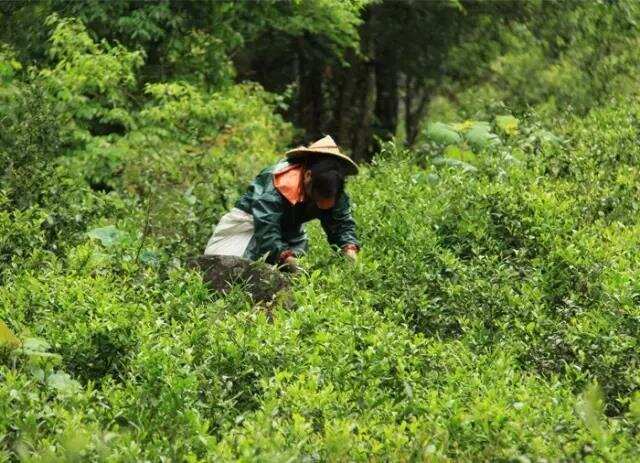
299	243
339	225
267	210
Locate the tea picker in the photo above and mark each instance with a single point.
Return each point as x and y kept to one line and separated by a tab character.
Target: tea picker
267	222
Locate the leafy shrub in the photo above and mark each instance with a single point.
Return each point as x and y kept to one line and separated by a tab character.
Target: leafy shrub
558	58
21	233
35	182
89	81
189	158
29	143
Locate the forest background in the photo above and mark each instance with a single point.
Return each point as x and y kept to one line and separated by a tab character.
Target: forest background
493	314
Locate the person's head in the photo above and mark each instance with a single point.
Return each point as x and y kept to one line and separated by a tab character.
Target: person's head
324	181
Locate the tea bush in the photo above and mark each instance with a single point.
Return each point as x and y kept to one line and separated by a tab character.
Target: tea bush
491	316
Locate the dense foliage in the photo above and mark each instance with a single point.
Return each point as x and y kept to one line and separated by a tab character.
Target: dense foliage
492	314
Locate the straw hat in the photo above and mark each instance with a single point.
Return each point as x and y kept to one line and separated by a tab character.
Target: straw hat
325	146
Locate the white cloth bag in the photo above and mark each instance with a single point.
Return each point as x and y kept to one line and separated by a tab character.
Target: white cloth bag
232	234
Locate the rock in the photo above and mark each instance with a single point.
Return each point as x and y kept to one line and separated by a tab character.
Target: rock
261	280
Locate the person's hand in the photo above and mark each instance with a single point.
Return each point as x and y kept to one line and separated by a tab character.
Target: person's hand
351	254
290	264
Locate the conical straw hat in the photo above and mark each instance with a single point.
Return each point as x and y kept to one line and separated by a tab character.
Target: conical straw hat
324	146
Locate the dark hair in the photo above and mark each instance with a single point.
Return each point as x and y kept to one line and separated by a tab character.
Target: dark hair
327	177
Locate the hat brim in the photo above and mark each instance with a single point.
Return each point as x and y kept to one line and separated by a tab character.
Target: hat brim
302	153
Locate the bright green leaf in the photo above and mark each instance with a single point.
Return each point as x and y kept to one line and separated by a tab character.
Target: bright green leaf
63	382
108	236
508	124
7	337
480	136
442	133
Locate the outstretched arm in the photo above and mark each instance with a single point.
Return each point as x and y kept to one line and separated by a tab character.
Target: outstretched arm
340	227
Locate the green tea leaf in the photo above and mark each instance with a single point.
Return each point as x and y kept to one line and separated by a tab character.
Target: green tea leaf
590	409
480	136
455	152
149	257
108	236
63	382
7	337
507	124
36	345
448	162
442	133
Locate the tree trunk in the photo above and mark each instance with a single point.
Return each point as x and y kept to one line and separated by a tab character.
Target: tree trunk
363	133
310	93
416	97
408	114
363	138
386	113
346	103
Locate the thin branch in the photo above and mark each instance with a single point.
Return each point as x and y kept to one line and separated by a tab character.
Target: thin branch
145	231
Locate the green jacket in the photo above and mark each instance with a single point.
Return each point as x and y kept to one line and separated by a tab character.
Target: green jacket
278	223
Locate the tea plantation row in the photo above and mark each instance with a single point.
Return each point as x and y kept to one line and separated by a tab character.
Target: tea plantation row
492	316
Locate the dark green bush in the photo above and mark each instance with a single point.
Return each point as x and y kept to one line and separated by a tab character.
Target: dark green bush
29	144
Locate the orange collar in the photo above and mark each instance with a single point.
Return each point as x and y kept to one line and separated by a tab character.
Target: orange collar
288	182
